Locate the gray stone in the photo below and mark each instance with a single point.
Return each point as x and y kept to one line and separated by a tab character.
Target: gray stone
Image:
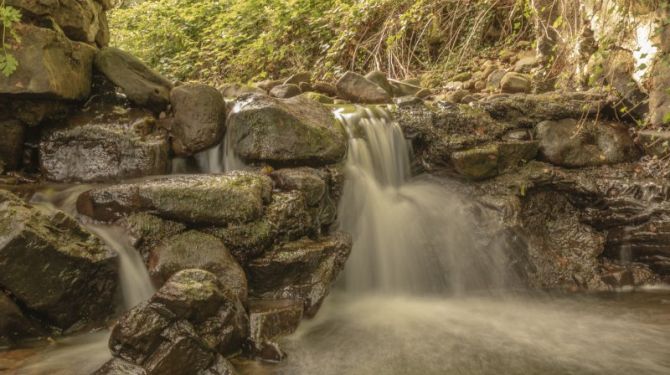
515	83
141	84
285	91
380	79
199	118
353	86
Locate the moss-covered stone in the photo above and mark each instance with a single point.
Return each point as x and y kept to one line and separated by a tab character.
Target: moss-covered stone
53	266
477	163
245	241
147	231
295	131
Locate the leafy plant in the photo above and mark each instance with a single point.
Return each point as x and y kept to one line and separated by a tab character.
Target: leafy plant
8	17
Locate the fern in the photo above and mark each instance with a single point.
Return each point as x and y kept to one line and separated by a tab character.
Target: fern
8	17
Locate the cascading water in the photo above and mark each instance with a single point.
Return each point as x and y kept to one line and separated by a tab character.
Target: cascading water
410	235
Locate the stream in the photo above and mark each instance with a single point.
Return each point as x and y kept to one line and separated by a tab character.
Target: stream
422	292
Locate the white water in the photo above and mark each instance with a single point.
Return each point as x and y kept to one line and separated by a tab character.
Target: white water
410	235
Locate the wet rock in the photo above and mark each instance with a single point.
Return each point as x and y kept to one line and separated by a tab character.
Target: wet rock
302	270
285	91
295	131
298	78
380	79
117	366
515	83
399	89
147	231
34	111
245	241
234	197
628	275
570	143
81	20
52	266
513	153
13	324
659	97
530	109
103	146
358	89
49	64
268	321
183	328
199	118
141	84
11	143
477	163
193	249
307	180
655	143
289	217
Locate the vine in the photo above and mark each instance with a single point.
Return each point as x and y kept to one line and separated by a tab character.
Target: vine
8	17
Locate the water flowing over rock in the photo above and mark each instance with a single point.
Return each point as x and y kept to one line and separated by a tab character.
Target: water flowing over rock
183	329
55	269
200	118
141	84
295	131
571	143
235	197
301	270
358	89
104	145
50	65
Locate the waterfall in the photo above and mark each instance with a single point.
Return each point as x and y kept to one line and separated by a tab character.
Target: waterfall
136	286
410	234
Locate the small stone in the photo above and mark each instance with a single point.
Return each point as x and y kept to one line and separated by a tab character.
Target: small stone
515	83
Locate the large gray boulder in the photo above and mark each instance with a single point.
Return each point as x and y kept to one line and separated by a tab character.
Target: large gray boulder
55	268
303	270
109	145
141	84
11	143
358	89
295	131
193	249
199	118
81	20
571	143
185	328
235	197
50	65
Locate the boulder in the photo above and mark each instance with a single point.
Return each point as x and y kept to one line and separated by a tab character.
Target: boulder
380	79
117	366
11	143
235	197
400	89
183	329
199	118
235	90
193	249
353	86
305	179
81	20
49	65
318	97
147	231
295	131
515	83
141	84
289	216
654	142
285	91
108	145
495	78
268	84
268	321
14	325
301	270
572	144
245	241
52	266
659	95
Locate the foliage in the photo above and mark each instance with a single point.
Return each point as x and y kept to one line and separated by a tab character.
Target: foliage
8	17
242	40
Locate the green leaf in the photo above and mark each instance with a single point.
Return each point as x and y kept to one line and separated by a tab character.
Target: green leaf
8	64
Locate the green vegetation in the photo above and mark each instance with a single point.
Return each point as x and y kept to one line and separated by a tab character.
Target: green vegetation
243	40
8	17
